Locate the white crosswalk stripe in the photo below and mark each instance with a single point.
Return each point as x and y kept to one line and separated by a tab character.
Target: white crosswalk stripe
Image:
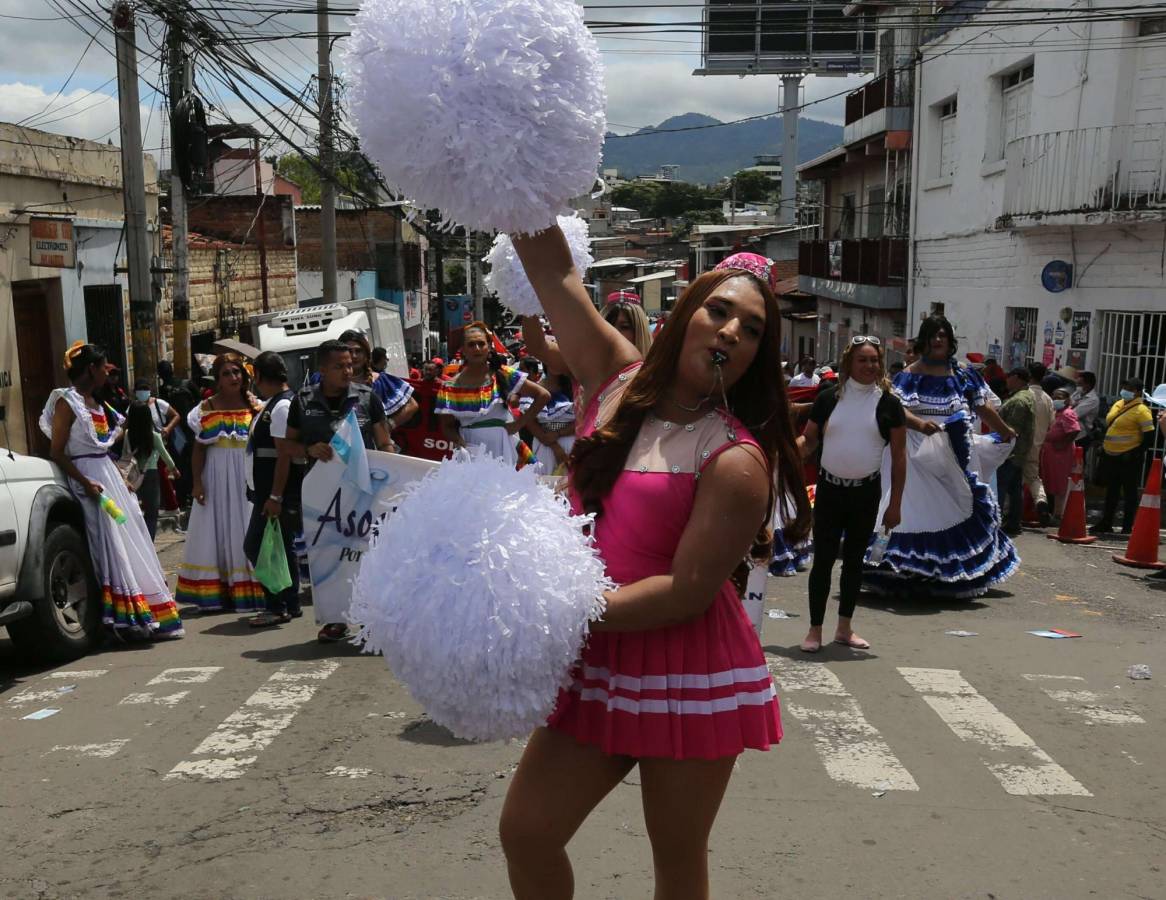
97	751
148	698
1093	706
851	749
51	694
78	674
814	698
189	675
1019	765
235	745
27	697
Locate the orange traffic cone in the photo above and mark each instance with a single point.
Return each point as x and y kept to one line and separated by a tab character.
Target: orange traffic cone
1142	551
1072	530
1029	517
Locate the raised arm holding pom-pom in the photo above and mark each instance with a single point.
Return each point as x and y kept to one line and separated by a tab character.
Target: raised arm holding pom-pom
675	457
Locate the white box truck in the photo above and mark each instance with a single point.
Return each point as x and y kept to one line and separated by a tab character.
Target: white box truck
296	333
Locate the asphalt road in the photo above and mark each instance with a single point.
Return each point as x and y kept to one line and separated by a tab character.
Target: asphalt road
244	764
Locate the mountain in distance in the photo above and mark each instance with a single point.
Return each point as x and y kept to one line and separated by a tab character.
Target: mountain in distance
710	154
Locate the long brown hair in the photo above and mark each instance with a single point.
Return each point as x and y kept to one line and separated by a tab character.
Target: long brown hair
758	400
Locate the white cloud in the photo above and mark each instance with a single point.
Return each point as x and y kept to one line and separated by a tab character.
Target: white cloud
647	92
79	113
647	82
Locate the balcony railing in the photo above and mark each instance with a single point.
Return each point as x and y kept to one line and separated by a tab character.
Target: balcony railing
886	91
879	262
1086	170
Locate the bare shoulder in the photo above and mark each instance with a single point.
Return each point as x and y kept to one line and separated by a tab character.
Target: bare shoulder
740	471
63	410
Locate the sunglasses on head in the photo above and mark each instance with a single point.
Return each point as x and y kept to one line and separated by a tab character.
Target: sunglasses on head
865	339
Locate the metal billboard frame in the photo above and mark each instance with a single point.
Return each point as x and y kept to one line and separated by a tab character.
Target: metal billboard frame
811	62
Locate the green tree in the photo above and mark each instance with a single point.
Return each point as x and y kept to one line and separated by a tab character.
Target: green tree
454	278
677	197
693	217
354	174
752	187
638	195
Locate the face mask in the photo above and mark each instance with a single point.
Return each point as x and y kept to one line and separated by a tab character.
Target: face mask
142	395
1127	395
1059	404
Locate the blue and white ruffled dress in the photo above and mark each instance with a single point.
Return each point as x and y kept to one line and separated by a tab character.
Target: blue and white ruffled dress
788	559
949	543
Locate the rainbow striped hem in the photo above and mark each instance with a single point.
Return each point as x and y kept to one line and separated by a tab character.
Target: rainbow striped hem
126	610
209	594
166	615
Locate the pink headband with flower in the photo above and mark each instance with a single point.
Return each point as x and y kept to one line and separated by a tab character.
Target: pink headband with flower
754	264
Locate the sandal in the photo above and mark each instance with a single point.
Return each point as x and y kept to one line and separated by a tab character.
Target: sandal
853	641
267	620
332	632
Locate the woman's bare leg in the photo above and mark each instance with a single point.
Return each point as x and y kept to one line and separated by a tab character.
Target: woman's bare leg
557	784
681	799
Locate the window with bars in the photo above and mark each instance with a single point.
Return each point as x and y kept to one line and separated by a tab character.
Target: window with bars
846	226
1022	322
875	211
1015	106
388	272
948	112
1133	344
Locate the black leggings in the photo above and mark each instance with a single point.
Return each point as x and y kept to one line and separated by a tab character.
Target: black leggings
841	511
1123	477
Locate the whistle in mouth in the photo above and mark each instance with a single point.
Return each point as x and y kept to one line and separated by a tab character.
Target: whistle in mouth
720	357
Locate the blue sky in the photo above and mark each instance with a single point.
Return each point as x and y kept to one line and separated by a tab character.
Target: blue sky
649	78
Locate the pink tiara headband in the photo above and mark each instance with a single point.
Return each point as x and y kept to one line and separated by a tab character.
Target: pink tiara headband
754	264
624	297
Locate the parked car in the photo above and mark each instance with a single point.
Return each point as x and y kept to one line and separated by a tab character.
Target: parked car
49	598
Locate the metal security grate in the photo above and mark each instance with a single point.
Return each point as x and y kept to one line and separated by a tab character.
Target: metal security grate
1133	344
1021	349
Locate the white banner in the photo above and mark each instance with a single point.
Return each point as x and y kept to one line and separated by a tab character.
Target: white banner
339	519
754	599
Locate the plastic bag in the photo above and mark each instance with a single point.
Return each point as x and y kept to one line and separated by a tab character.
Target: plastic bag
271	565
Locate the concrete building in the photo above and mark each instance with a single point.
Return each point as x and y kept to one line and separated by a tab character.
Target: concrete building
61	219
856	267
1041	200
379	254
241	257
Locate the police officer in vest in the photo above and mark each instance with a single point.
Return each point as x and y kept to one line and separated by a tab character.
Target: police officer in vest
273	484
316	411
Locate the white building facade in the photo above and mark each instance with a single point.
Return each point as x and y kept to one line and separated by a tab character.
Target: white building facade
1039	221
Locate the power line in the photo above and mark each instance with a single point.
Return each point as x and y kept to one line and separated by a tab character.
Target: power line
68	80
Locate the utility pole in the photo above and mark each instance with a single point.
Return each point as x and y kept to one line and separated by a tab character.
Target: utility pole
473	282
143	318
261	193
327	160
787	214
179	67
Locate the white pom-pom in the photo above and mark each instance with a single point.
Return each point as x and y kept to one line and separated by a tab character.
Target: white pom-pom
492	111
508	279
479	590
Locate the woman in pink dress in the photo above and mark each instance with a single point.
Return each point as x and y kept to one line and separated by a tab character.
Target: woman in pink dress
1056	454
675	455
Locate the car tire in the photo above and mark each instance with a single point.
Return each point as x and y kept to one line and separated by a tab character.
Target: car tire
66	621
